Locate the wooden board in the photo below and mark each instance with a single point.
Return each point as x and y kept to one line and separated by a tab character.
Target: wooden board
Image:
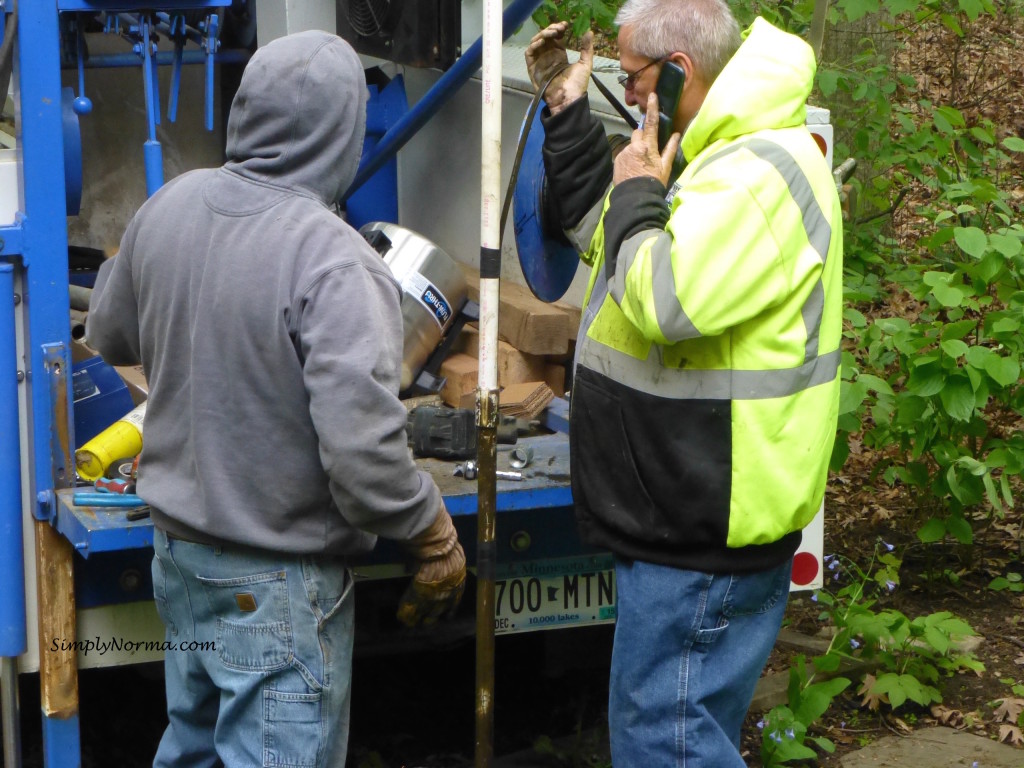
524	321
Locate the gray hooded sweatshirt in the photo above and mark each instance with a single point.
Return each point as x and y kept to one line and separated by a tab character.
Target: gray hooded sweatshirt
269	331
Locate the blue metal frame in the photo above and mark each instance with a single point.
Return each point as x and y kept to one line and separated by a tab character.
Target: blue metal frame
134	5
377	199
44	248
44	245
12	558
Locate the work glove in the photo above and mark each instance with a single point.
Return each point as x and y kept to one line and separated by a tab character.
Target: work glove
546	60
436	589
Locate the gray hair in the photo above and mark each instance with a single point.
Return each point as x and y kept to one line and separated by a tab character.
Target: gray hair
706	30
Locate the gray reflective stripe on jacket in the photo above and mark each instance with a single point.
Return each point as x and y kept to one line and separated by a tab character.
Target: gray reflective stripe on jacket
649	375
581	235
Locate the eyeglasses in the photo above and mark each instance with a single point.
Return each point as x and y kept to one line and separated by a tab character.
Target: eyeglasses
628	80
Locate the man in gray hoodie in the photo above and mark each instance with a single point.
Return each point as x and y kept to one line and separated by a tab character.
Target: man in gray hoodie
275	446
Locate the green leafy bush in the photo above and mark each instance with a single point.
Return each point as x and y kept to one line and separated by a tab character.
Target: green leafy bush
583	15
907	656
933	345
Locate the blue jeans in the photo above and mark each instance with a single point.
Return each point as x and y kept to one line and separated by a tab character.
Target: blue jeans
276	690
689	648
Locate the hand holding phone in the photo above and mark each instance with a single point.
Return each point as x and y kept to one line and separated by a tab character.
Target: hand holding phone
642	157
669	90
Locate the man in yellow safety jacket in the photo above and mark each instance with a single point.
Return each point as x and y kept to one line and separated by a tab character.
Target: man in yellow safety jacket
706	386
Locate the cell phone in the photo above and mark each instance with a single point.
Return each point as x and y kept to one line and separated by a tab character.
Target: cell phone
669	90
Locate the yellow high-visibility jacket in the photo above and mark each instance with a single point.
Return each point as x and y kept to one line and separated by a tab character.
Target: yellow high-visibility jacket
706	388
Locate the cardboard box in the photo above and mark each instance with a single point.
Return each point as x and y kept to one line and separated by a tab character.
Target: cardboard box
132	375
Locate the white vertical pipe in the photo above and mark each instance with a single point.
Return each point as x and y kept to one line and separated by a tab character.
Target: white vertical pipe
487	387
490	190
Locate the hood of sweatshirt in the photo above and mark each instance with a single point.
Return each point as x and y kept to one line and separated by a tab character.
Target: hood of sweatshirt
298	118
765	85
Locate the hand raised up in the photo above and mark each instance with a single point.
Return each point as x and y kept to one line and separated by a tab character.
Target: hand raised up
546	54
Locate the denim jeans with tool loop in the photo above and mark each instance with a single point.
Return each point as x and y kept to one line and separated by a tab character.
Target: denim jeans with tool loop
275	691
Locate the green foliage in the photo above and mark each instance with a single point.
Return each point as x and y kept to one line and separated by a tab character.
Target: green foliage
784	731
582	14
935	387
1012	581
909	655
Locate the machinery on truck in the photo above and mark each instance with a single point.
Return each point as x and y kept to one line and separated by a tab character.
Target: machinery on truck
111	97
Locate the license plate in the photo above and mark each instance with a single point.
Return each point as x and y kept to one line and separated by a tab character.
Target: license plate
544	594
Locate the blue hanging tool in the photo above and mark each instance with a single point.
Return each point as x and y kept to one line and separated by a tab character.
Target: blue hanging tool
176	31
82	103
85	499
152	152
211	43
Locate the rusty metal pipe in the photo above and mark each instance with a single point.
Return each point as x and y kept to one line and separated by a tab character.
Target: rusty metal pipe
486	567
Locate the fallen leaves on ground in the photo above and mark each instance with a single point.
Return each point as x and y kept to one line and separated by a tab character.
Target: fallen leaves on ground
1009	710
1010	734
953	718
872	701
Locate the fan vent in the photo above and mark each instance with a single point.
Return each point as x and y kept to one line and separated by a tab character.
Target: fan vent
416	33
368	18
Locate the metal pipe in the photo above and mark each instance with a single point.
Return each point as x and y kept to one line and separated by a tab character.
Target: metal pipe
12	558
152	153
78	319
13	638
163	58
79	296
487	391
165	24
450	82
486	570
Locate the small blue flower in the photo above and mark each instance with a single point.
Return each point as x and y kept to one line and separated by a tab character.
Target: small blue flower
842	723
888	546
790	734
974	764
814	597
760	724
774	736
833	564
890	585
854	644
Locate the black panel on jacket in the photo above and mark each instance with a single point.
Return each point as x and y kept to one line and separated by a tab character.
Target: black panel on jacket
635	205
651	478
577	160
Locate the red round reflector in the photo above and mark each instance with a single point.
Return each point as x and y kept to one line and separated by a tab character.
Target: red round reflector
820	141
805	568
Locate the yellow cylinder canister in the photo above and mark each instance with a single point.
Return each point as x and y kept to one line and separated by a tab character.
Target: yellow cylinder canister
120	440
